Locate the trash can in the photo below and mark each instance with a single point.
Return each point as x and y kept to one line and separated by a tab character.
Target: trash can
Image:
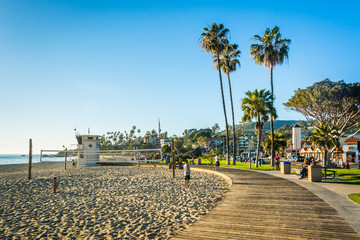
315	173
167	160
180	165
198	161
285	167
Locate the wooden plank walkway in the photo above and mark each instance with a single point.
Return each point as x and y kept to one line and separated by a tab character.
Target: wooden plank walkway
261	206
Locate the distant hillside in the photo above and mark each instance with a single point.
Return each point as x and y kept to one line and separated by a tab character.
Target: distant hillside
277	124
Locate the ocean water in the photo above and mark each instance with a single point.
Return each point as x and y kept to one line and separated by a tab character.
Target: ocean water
19	159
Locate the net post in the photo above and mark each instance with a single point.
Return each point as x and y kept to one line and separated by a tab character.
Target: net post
65	157
173	156
41	156
30	158
161	155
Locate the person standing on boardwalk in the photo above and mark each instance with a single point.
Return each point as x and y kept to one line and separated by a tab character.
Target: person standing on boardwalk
187	173
277	162
217	162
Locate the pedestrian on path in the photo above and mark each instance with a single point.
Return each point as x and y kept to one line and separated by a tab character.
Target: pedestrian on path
217	162
277	162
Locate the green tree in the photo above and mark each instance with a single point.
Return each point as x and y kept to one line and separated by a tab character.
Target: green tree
279	142
271	50
214	40
229	61
327	137
327	102
166	149
215	128
258	105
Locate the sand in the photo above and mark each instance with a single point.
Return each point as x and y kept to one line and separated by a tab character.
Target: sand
103	202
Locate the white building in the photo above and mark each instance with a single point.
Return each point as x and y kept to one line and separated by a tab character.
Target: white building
165	141
89	146
296	137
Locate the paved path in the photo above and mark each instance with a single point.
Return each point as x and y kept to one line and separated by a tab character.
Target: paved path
260	206
334	194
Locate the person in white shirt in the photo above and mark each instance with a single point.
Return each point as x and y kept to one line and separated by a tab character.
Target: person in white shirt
217	162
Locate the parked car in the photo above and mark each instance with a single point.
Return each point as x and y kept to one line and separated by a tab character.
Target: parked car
300	159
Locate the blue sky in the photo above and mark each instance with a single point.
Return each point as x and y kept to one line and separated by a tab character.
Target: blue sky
109	65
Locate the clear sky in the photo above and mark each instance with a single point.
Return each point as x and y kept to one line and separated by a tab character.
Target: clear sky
109	65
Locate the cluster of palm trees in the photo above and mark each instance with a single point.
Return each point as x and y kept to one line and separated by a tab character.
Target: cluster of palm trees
270	51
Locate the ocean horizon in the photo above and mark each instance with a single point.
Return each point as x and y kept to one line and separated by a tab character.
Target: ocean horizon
6	159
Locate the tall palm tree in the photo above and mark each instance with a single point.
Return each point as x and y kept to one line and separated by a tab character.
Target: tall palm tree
258	105
214	40
229	60
271	50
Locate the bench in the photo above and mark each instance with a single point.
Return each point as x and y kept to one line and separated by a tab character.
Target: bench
332	173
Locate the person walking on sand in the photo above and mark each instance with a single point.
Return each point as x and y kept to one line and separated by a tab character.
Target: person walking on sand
187	173
55	185
217	162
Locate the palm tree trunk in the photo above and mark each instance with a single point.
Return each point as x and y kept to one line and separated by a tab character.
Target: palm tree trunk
325	157
226	122
272	119
233	121
258	144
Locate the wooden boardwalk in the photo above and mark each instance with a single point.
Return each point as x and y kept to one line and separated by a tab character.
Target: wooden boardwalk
261	206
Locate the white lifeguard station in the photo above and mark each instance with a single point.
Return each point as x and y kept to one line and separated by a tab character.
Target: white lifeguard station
88	146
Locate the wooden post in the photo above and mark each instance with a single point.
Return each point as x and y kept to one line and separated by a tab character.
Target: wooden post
65	157
173	156
30	158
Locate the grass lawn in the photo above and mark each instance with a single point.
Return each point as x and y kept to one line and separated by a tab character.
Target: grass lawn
355	197
264	167
348	176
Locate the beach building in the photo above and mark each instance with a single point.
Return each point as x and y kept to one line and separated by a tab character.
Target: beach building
88	146
351	150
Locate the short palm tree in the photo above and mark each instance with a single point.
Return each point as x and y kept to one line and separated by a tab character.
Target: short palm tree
229	60
214	40
271	50
279	142
326	137
258	105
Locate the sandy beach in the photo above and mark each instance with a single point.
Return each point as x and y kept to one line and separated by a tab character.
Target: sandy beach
103	202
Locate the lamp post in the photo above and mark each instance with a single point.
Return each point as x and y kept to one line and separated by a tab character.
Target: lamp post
249	155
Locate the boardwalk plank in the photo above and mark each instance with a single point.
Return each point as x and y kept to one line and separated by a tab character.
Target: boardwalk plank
261	206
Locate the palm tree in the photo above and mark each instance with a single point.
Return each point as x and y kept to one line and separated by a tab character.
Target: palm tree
326	137
229	60
215	128
258	105
214	40
270	50
279	142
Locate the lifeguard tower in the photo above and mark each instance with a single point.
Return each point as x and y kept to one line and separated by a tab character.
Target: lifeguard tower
88	146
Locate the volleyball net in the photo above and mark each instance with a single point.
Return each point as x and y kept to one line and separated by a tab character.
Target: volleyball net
101	156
